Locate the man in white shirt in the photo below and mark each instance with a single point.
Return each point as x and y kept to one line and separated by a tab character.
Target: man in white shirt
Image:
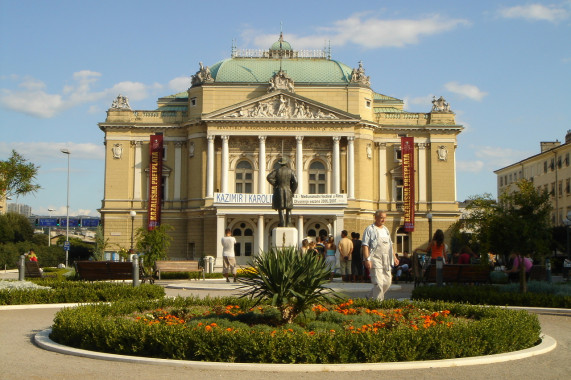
378	257
228	256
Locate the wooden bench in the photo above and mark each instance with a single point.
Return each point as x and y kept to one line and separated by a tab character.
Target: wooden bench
32	269
104	270
459	273
163	266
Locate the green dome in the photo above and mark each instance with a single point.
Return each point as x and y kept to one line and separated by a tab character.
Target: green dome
261	70
284	45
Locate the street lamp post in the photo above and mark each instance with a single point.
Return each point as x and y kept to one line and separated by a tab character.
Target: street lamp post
133	215
68	153
50	210
429	217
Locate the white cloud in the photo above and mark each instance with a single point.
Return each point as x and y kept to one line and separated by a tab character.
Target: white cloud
34	100
179	84
420	102
539	12
467	90
38	152
470	166
368	32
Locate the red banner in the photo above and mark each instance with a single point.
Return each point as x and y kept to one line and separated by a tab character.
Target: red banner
407	155
155	178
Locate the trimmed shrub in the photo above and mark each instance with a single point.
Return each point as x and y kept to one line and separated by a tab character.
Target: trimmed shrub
538	295
179	329
66	291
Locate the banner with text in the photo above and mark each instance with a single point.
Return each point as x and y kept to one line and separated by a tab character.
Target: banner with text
266	199
407	156
155	176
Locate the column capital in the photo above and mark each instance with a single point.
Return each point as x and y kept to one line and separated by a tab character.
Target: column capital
225	137
336	139
381	144
422	145
351	138
179	144
299	138
210	137
262	138
138	142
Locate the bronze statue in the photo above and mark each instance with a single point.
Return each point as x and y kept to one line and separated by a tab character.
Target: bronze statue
284	181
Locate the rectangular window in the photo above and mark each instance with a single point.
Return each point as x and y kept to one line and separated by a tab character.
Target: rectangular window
399	190
545	166
560	188
501	181
566	159
193	102
568	186
398	153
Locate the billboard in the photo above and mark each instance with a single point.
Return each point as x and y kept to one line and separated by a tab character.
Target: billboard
407	155
155	176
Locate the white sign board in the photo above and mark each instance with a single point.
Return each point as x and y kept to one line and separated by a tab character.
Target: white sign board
266	199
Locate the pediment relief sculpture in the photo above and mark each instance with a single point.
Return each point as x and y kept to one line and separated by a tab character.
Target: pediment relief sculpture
281	107
203	75
281	81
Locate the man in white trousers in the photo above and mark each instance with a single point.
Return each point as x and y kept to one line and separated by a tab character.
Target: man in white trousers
378	257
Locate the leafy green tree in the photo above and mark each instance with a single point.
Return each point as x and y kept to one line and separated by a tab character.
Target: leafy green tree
155	244
519	222
100	245
17	176
14	228
290	280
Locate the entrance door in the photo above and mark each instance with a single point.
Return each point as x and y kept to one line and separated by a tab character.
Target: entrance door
244	240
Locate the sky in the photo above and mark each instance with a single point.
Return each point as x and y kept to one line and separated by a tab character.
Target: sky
504	66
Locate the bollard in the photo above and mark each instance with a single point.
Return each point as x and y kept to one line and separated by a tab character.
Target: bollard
135	261
548	270
22	268
439	265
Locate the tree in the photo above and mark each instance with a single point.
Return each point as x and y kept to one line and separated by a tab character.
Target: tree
100	245
15	228
519	222
17	176
155	244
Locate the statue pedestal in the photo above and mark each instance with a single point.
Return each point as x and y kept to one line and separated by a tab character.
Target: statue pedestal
283	237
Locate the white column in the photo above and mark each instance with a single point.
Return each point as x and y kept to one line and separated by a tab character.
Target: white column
262	166
138	171
260	234
220	228
351	167
335	175
299	164
422	173
300	229
210	167
382	172
177	169
224	165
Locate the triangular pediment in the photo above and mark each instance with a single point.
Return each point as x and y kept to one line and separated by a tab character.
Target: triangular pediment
280	105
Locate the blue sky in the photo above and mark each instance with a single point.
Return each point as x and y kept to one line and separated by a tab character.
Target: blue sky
503	66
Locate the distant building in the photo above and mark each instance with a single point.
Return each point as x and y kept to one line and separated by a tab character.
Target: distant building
549	170
199	161
20	209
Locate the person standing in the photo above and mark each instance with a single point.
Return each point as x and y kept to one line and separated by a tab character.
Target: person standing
345	256
330	260
228	256
437	247
357	262
377	249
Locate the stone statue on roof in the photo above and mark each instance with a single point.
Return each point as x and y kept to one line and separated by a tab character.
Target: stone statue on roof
358	76
121	102
281	81
440	105
203	75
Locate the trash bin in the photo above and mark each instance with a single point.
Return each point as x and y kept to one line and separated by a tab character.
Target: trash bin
209	264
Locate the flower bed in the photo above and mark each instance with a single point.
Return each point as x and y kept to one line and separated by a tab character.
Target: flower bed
237	330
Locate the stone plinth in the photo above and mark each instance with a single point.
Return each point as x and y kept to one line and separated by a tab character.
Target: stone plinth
283	237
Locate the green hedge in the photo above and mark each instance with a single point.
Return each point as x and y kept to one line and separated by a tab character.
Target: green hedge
545	296
66	291
115	329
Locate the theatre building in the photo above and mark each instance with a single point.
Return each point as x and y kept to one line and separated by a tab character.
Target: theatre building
199	161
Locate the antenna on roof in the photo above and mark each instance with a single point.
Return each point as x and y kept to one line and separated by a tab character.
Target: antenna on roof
233	48
329	51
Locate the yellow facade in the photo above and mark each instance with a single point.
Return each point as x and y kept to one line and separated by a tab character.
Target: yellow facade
549	170
341	138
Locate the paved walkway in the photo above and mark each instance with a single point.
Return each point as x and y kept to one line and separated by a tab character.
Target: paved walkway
22	359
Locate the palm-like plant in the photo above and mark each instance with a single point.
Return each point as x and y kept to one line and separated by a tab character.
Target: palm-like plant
290	280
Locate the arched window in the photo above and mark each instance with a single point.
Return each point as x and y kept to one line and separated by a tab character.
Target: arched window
317	178
244	177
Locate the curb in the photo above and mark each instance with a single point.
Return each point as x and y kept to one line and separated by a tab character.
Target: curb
547	344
